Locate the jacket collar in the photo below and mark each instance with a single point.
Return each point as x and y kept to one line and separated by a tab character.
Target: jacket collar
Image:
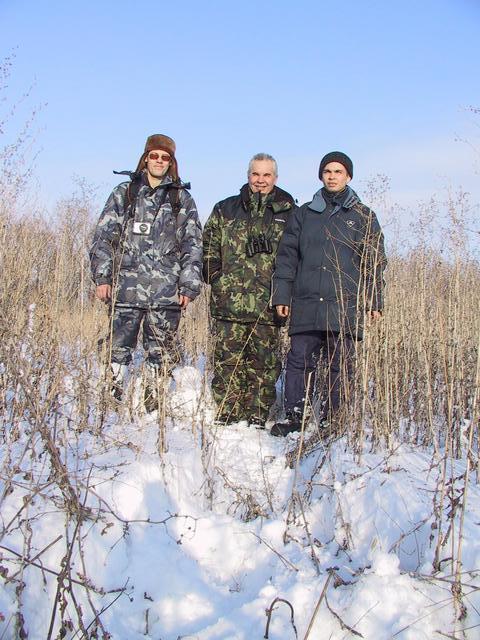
165	181
277	196
347	199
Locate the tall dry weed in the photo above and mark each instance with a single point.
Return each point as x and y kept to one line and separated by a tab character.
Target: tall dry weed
417	370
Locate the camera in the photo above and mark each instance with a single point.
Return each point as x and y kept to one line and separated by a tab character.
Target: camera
142	228
258	244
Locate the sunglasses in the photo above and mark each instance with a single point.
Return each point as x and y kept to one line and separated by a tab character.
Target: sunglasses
155	156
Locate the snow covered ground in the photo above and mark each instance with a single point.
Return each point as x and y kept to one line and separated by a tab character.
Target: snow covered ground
198	542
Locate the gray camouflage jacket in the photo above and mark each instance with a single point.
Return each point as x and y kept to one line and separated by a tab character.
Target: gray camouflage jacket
148	269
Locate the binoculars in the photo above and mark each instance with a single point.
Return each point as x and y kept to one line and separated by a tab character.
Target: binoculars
258	244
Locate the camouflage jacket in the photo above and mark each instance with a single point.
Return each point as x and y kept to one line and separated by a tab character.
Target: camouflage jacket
241	285
148	269
330	265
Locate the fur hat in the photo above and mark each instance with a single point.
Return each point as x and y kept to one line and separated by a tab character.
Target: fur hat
336	156
164	143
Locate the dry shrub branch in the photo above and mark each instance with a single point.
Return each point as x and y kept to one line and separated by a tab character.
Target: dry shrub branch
417	380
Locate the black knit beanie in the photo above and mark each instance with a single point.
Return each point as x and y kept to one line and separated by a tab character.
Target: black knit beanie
336	156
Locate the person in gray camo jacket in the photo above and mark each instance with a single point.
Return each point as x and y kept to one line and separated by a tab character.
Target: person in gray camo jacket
146	262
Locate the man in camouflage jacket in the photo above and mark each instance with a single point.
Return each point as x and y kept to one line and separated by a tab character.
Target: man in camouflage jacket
240	243
146	257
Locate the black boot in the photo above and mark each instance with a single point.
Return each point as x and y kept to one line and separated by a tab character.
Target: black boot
117	392
153	382
292	422
258	421
118	373
150	399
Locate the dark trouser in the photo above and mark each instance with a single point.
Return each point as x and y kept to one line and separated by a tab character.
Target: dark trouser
159	334
246	369
335	353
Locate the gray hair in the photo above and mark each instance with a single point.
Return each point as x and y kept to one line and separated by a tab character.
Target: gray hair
263	156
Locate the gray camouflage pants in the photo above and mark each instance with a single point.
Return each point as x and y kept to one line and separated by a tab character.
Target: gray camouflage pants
159	334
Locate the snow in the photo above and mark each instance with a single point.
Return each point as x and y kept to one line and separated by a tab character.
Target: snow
198	541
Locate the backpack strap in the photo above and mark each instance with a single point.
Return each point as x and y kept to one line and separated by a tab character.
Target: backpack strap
132	189
131	198
174	197
176	204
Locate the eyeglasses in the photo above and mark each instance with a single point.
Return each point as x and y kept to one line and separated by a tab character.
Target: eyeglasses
153	155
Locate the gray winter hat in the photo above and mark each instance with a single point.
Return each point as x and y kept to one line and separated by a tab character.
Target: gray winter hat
336	156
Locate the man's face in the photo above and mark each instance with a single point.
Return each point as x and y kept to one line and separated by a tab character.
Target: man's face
335	177
261	177
157	163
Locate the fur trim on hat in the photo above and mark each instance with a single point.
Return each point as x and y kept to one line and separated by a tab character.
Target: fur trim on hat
163	143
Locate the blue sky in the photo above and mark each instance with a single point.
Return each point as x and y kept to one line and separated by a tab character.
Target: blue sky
389	83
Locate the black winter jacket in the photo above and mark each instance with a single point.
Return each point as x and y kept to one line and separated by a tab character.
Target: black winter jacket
330	263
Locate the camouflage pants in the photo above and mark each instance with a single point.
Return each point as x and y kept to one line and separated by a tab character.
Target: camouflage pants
159	334
246	369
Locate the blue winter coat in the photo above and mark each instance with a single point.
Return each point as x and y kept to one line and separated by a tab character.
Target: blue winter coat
329	265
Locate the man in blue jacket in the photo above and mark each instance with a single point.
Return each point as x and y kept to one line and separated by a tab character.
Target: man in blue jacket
328	278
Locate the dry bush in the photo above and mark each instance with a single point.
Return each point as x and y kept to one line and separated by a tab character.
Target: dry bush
422	375
417	368
417	371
